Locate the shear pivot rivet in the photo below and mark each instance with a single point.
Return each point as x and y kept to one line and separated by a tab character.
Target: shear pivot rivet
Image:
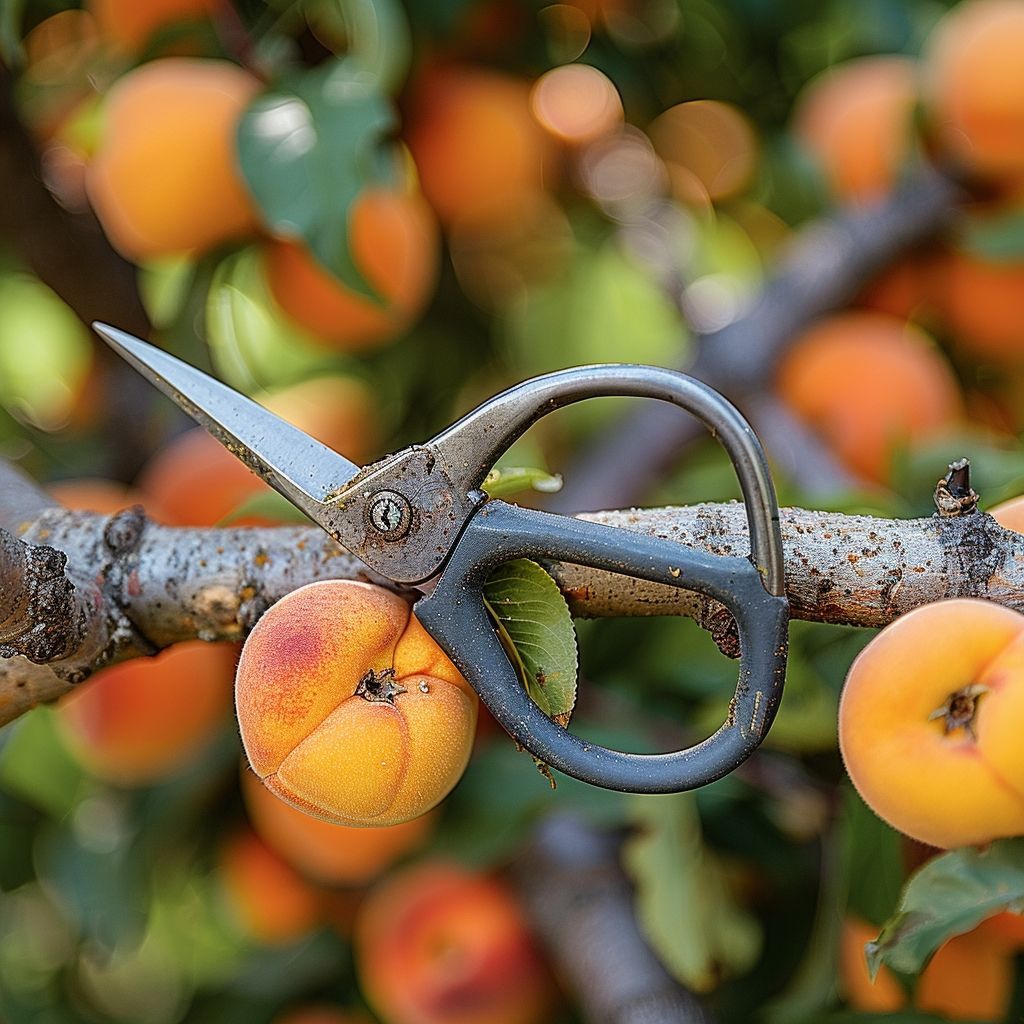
390	514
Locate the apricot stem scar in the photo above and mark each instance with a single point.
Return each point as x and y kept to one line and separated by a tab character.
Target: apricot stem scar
379	686
960	710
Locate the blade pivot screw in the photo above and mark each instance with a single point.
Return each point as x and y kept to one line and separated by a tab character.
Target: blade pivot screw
390	514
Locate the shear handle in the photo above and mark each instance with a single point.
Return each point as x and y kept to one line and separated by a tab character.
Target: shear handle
455	616
472	445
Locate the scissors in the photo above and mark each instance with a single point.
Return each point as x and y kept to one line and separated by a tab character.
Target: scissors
420	517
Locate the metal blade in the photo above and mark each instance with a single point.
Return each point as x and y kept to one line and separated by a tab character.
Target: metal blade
300	467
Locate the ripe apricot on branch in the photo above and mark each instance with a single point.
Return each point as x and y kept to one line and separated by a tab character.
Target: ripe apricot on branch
929	723
437	944
394	242
348	709
477	146
164	179
271	902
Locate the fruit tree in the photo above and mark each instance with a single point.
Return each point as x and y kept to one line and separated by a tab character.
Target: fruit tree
240	780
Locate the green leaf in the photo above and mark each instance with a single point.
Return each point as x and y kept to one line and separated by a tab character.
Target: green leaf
506	480
308	148
998	239
948	896
681	898
534	623
377	34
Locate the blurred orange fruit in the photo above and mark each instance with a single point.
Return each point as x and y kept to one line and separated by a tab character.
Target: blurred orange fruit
145	719
476	143
394	244
974	87
334	854
165	178
857	120
867	382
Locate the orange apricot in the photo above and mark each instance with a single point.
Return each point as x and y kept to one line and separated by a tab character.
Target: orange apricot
394	243
348	708
129	25
146	718
476	144
884	994
1005	930
982	307
867	382
928	723
271	902
164	179
709	147
437	944
330	853
856	119
974	86
969	978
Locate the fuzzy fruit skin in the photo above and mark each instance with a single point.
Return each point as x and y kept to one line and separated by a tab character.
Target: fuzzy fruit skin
165	178
436	944
328	750
943	789
330	853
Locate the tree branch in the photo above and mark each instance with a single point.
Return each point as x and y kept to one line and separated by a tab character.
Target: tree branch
145	586
826	265
580	902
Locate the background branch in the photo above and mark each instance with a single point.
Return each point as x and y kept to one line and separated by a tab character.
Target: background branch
581	903
826	265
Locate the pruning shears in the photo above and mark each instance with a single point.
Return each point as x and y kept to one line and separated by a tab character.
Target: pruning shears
420	517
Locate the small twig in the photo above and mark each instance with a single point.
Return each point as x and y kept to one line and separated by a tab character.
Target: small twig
954	495
581	904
